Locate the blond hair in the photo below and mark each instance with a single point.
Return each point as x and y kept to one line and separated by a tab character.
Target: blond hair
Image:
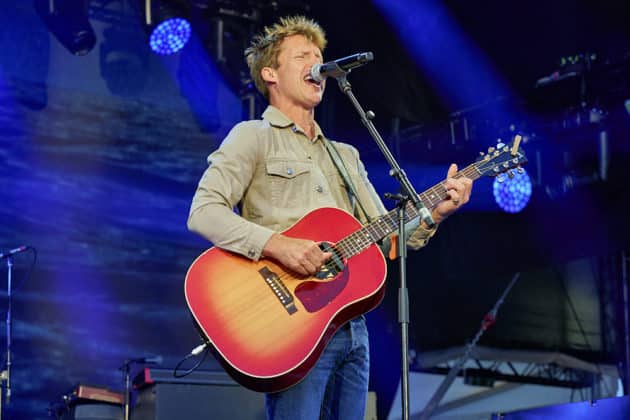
265	47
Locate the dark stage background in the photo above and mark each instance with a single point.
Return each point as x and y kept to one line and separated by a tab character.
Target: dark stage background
100	155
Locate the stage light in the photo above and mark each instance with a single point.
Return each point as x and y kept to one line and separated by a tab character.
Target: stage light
512	193
170	36
124	61
167	24
68	21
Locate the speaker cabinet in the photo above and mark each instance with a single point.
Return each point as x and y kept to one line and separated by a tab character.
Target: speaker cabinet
202	396
93	411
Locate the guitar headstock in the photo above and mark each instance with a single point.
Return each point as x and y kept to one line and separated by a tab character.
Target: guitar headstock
502	158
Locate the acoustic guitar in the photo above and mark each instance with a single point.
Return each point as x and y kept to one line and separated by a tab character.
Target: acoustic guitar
267	325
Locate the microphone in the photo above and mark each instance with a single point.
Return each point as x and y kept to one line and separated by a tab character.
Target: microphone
14	251
340	67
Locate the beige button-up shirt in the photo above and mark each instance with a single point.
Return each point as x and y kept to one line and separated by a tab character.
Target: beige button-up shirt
274	174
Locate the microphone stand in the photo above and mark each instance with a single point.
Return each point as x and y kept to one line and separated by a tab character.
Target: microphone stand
125	368
5	375
408	194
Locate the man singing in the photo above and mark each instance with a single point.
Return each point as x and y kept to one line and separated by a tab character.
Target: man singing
276	170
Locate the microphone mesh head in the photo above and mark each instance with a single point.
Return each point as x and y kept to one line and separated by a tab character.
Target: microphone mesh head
316	73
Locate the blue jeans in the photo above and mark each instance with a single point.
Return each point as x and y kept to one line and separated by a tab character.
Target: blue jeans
336	387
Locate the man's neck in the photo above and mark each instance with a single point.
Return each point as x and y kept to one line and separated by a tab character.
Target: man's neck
304	118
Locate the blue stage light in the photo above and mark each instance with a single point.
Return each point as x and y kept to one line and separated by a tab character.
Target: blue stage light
512	194
170	36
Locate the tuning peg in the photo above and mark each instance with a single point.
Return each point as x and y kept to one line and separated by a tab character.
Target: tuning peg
510	174
491	149
500	178
482	154
520	170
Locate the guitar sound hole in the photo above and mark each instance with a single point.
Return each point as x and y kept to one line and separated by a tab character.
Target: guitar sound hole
334	266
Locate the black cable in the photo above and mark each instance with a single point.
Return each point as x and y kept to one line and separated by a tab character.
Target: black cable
202	347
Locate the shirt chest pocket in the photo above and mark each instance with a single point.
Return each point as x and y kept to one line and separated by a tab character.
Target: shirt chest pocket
289	181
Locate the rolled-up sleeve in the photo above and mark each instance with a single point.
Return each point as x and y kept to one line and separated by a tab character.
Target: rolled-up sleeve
230	170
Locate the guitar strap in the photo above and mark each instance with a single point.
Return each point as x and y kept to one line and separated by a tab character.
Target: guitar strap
343	171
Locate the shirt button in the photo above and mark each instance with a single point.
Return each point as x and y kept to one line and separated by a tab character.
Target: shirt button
251	253
319	189
289	171
294	129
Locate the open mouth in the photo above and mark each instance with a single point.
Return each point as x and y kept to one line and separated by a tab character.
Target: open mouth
312	81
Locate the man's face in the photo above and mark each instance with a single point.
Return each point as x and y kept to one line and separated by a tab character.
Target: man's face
292	83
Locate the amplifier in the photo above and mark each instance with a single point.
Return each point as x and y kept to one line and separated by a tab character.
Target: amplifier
201	395
83	393
89	402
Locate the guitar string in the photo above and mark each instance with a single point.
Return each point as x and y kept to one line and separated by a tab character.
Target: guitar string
353	244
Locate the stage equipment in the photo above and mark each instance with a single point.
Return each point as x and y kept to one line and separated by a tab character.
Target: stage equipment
340	67
68	21
512	194
85	402
5	375
407	195
488	320
202	394
157	360
167	23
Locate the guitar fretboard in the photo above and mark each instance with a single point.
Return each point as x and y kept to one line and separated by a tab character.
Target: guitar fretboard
378	229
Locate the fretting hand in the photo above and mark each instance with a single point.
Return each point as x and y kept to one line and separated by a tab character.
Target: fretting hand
458	190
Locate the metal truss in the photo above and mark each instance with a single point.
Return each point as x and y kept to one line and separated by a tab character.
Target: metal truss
486	372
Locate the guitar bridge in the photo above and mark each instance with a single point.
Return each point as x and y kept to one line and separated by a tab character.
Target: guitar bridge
279	289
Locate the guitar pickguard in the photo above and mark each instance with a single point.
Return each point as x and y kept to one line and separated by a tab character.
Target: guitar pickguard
314	295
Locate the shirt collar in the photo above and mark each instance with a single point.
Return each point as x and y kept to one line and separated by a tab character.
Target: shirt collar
277	119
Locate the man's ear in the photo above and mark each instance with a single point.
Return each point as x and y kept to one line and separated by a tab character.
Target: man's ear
268	74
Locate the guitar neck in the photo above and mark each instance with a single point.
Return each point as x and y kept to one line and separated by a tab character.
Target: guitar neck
388	223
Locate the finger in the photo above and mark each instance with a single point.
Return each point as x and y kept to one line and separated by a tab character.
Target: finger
464	189
455	197
452	170
454	186
467	188
310	268
299	269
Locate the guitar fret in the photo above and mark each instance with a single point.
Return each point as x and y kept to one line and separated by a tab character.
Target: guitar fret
388	223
